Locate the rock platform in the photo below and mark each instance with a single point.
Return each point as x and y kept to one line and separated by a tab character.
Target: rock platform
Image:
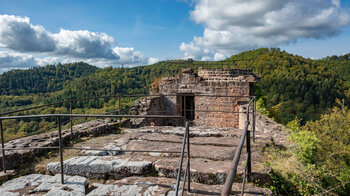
154	173
211	154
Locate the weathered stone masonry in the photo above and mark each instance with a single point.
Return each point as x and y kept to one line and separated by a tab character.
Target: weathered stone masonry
221	82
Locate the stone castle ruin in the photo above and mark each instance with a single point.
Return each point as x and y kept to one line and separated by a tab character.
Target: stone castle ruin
211	97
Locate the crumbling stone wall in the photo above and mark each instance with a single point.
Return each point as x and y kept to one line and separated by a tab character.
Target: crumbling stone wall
211	82
145	106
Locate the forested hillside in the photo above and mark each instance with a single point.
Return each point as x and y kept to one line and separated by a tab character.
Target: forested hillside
291	86
42	79
341	65
294	86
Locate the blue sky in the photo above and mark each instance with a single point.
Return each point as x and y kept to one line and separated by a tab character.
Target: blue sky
154	27
138	32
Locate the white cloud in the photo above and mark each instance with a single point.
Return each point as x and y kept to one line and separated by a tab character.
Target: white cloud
152	60
195	51
19	34
12	60
233	26
130	56
84	44
27	45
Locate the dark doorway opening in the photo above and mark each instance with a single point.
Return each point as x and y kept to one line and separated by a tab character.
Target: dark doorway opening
186	103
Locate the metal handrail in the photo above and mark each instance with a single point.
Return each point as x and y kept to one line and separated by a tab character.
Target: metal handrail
119	96
186	133
54	126
61	147
233	169
91	116
111	96
178	179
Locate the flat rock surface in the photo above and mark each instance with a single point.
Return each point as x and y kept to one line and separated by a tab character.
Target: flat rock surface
211	152
198	151
194	131
101	167
39	184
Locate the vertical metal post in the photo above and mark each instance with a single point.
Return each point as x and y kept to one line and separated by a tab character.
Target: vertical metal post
249	164
188	161
71	118
60	147
120	119
185	107
254	118
226	190
184	184
3	146
249	158
181	160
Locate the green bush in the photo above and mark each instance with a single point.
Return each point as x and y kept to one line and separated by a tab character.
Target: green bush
307	145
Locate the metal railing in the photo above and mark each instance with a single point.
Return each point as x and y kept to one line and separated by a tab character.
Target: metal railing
119	97
61	146
186	140
248	168
186	137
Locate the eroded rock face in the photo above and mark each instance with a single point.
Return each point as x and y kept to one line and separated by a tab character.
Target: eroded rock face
101	167
39	184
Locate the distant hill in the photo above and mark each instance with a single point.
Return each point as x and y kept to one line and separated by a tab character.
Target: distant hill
295	86
291	85
42	79
341	64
